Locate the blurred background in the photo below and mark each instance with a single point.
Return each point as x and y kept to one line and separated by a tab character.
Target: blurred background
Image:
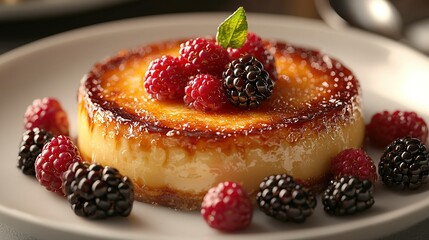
24	21
28	20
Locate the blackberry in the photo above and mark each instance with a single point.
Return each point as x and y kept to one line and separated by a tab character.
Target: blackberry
404	164
255	47
246	82
284	199
348	195
97	192
31	146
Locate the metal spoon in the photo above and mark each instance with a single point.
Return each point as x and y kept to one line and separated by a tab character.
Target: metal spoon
377	16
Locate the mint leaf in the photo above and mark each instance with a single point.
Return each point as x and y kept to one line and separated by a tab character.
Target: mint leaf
233	31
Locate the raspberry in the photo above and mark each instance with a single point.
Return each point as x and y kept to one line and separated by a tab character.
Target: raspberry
404	164
97	192
203	55
348	195
354	162
227	207
54	160
284	199
31	146
246	82
47	114
385	127
255	47
205	93
165	78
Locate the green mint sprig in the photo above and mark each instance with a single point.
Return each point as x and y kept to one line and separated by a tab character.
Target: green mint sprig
233	31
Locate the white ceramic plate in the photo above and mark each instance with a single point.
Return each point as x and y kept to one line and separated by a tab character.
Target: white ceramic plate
25	9
392	77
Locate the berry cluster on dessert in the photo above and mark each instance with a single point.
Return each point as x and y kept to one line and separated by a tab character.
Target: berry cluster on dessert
205	75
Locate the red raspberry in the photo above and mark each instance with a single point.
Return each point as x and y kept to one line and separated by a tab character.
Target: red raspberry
165	78
54	160
202	55
354	162
385	127
255	47
47	114
227	207
205	93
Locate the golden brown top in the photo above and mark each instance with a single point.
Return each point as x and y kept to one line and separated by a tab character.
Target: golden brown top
311	87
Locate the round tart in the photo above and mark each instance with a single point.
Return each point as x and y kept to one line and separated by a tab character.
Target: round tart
174	154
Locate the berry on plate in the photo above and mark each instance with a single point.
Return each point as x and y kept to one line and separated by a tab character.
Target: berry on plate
47	114
227	207
405	164
284	199
246	82
54	160
385	127
255	47
348	195
204	92
31	146
354	162
97	192
165	78
203	55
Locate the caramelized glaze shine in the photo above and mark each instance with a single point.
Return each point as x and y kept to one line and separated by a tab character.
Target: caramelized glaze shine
311	88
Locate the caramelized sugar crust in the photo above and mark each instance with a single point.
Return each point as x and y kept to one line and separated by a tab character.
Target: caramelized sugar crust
311	88
174	154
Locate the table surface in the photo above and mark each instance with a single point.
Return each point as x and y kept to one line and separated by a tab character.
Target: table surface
19	31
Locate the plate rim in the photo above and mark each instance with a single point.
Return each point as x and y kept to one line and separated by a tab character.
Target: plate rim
179	18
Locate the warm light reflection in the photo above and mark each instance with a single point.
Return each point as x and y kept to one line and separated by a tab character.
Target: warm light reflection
415	91
380	9
406	88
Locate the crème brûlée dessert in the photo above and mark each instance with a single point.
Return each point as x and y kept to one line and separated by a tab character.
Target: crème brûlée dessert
174	154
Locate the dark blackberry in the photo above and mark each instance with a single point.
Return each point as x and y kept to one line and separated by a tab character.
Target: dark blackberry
31	146
246	82
348	195
97	192
404	164
254	45
284	199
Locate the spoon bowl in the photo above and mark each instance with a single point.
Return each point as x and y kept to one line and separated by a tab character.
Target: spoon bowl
377	16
